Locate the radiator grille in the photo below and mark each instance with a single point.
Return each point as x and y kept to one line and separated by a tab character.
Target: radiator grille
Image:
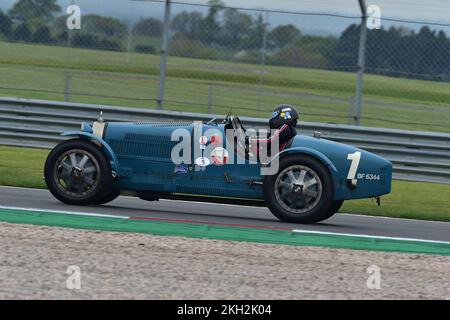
142	149
163	124
146	137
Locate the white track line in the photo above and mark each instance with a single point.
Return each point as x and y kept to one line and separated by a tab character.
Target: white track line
236	205
65	212
295	230
22	188
390	218
367	236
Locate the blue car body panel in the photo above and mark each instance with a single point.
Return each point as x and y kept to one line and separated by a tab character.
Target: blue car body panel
90	136
140	154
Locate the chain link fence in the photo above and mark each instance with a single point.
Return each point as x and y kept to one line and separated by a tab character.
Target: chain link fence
220	57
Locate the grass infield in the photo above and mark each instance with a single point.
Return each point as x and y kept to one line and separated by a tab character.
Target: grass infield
119	78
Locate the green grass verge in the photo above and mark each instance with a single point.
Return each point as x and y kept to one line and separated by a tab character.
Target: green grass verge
285	237
117	78
23	167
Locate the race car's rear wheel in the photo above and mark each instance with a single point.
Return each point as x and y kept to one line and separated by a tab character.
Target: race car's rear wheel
107	198
78	172
301	191
337	204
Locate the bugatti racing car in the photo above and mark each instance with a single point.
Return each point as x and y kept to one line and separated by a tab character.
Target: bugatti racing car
305	180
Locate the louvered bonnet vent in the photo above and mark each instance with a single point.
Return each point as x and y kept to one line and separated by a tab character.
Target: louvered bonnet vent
163	124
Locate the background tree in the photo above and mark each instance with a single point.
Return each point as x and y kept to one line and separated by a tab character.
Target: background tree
396	52
59	24
306	51
26	11
42	35
377	56
211	26
107	26
425	48
85	40
442	59
283	35
5	24
399	42
325	46
22	33
183	47
188	23
296	56
257	32
236	29
346	53
150	27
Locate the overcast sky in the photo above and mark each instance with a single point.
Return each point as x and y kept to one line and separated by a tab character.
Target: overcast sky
418	9
431	10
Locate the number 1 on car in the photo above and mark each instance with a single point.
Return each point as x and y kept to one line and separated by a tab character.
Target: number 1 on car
355	157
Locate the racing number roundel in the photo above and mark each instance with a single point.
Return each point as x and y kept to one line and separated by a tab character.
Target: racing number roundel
219	156
202	162
216	140
203	140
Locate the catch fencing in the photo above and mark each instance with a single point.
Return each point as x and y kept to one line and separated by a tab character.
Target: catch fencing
210	57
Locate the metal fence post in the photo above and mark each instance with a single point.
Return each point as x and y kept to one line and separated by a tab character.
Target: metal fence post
361	63
164	49
263	58
351	110
129	40
67	71
264	44
210	97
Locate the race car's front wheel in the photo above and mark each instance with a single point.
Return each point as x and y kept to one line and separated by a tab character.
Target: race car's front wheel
77	172
301	191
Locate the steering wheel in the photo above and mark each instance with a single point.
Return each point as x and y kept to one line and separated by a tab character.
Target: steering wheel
239	123
228	118
241	141
236	125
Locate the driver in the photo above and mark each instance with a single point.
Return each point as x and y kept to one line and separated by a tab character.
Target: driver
284	119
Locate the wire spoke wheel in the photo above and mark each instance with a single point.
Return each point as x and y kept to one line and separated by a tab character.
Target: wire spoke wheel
77	173
298	189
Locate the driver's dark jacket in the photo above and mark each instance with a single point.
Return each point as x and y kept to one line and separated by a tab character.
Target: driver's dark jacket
284	134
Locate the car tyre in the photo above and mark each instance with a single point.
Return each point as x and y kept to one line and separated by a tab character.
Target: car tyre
107	198
78	172
337	204
301	191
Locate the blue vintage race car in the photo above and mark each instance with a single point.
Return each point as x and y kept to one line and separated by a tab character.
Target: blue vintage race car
305	181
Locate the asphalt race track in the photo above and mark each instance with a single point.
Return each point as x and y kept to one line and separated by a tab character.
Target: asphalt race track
231	215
